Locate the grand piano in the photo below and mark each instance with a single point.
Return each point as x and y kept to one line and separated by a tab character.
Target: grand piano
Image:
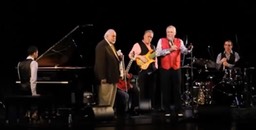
65	73
64	68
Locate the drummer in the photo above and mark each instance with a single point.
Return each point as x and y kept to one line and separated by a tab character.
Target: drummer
228	58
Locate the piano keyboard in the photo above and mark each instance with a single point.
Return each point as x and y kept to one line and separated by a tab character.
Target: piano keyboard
49	82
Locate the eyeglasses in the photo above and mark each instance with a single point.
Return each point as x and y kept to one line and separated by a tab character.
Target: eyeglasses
228	45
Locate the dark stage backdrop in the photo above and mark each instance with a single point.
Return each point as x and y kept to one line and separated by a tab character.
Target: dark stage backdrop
204	24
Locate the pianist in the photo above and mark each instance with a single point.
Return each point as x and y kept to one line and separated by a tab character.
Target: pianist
27	72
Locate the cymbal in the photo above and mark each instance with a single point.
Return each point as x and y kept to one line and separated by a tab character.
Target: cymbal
250	68
211	64
205	62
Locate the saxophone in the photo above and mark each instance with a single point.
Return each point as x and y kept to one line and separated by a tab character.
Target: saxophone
201	97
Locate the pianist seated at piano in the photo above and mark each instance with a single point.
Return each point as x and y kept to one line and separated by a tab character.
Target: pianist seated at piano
27	73
57	75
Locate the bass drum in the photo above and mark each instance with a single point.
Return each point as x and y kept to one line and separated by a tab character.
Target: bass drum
227	94
202	92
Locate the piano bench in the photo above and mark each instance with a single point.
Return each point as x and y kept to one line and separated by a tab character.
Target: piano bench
28	100
16	106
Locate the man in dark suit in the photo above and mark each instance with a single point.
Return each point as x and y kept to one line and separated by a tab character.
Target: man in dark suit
107	69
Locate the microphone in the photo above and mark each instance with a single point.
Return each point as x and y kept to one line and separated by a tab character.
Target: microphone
190	48
210	51
119	53
171	41
208	48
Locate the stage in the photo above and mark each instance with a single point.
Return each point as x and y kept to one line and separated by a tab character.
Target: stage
202	118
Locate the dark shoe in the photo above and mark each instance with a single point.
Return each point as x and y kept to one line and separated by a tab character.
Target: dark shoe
34	115
180	113
167	114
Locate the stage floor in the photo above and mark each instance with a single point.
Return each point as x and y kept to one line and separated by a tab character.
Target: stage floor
205	118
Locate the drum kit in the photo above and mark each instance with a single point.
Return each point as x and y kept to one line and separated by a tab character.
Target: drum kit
204	84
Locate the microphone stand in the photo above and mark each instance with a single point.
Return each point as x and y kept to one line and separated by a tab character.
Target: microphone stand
191	108
187	97
183	57
210	51
191	64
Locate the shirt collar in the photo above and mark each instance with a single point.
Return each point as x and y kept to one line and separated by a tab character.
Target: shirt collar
30	57
230	52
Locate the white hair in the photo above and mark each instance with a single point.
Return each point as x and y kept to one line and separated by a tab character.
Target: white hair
109	31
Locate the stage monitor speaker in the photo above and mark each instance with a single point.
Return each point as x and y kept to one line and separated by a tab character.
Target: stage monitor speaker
145	105
103	112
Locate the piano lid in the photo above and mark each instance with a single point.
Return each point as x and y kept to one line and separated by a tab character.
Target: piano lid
62	53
